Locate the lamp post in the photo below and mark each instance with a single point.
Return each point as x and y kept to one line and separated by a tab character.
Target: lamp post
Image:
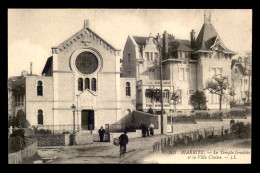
73	107
78	112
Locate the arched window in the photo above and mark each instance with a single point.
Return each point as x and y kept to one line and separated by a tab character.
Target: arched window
39	88
40	117
80	84
87	83
93	84
127	89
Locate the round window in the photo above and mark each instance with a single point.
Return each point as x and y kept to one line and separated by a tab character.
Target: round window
86	63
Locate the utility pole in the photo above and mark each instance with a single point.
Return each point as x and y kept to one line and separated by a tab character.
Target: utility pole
159	47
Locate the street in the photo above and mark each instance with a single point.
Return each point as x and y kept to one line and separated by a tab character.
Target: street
138	149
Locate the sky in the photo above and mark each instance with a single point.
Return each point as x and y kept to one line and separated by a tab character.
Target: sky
32	32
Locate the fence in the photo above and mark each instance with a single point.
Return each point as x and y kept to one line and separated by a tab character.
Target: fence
25	154
188	137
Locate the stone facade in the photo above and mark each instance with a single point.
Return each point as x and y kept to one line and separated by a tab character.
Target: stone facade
69	78
241	82
186	67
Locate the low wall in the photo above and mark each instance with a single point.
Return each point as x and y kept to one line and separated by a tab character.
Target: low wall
143	117
83	138
188	137
25	154
51	139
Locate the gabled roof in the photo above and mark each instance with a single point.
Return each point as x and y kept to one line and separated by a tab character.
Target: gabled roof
140	41
80	35
207	37
48	65
242	69
183	45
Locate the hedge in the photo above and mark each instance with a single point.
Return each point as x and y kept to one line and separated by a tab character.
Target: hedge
184	119
237	113
207	115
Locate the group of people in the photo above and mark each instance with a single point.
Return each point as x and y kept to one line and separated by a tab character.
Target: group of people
147	130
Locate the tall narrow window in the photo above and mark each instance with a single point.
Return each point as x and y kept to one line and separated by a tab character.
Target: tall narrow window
39	88
93	84
87	83
40	117
80	84
181	74
235	70
127	89
151	55
147	55
241	82
166	96
129	57
155	55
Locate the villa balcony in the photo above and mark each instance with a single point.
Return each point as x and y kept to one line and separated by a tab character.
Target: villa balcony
153	82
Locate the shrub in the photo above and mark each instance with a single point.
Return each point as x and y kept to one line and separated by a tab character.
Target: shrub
237	113
207	115
41	131
15	144
242	130
184	119
202	115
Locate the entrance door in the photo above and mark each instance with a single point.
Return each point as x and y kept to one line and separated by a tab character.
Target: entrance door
87	119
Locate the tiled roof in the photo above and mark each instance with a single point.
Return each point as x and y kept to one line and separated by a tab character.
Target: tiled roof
17	83
140	41
241	69
207	37
180	45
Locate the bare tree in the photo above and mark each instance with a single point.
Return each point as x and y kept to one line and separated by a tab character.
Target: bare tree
217	85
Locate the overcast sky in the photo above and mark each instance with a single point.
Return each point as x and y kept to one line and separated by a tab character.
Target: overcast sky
32	32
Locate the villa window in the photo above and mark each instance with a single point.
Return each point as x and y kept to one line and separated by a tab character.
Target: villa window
128	89
147	56
129	57
156	55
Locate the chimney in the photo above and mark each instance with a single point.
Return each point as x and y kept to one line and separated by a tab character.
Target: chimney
24	73
192	39
165	43
31	68
86	23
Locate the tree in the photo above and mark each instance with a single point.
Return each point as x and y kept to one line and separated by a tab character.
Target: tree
217	85
20	120
198	100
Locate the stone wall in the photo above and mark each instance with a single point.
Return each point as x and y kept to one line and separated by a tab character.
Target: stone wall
83	138
50	139
25	154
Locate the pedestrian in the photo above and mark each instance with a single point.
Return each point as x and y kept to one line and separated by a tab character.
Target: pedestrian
232	124
101	132
147	129
123	140
143	130
151	127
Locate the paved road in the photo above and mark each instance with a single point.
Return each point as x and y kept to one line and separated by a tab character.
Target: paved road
100	153
137	149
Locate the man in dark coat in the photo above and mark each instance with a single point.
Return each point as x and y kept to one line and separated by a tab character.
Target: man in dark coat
143	130
101	132
123	140
232	124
